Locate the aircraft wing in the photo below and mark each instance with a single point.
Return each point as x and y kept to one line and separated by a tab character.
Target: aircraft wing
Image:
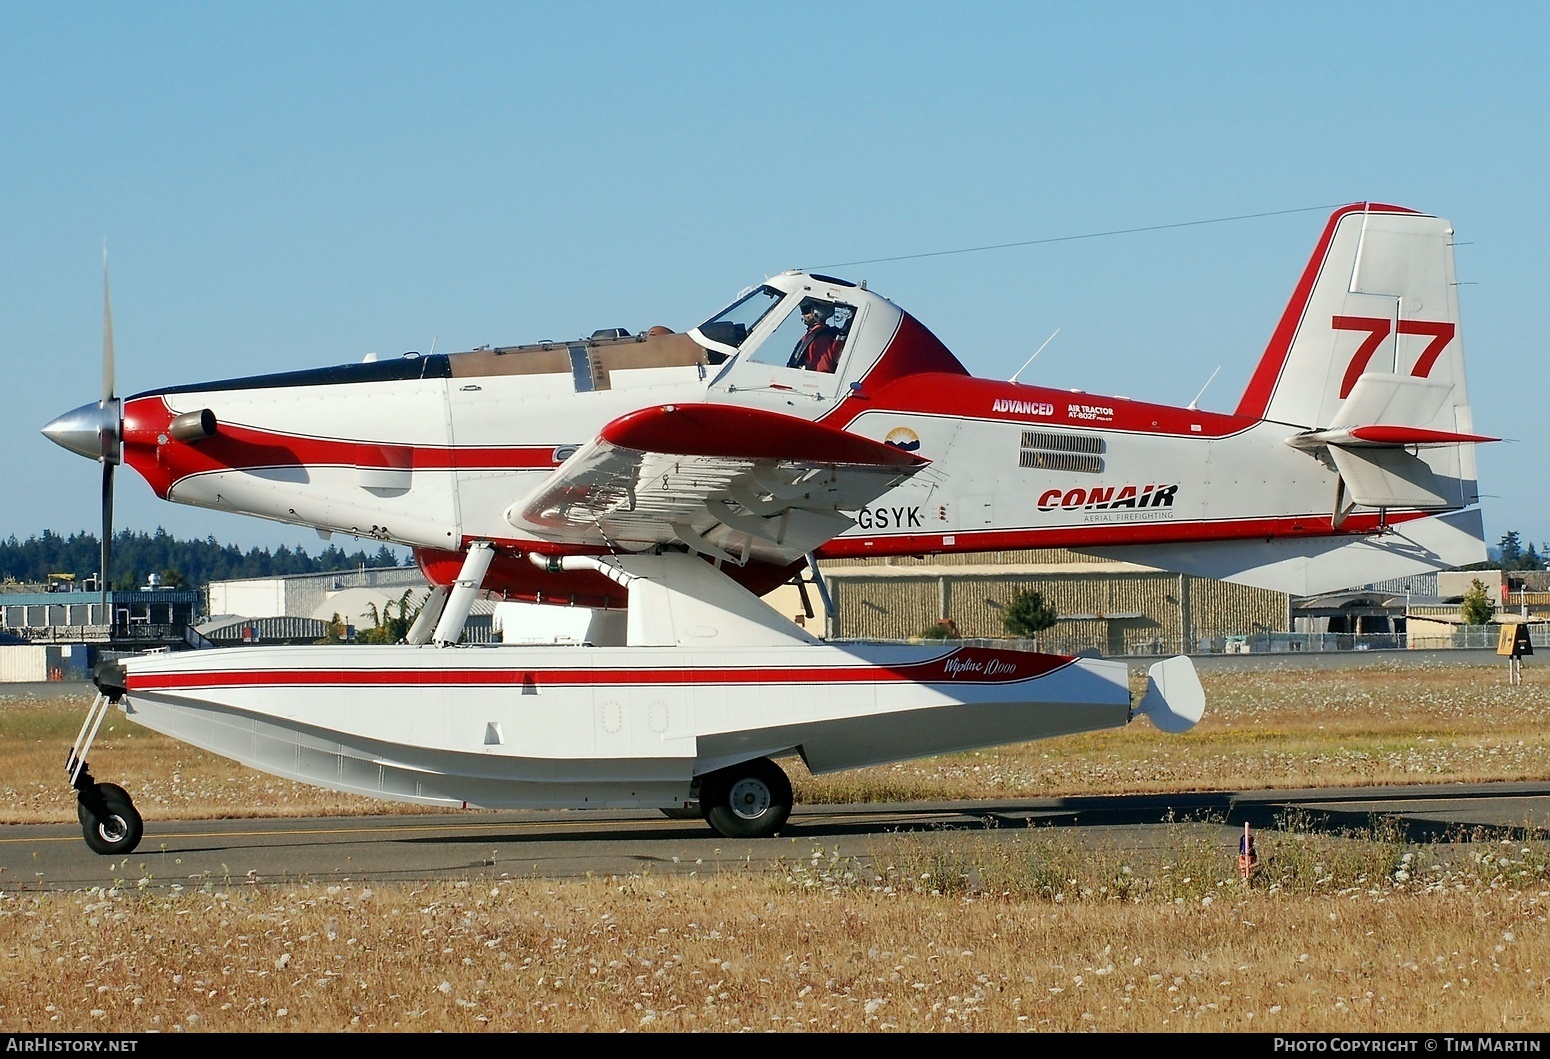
732	483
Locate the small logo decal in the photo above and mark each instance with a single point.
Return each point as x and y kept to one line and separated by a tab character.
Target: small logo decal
903	438
1106	498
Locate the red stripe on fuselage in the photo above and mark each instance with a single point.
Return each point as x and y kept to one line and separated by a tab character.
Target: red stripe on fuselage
961	666
527	584
1096	535
244	448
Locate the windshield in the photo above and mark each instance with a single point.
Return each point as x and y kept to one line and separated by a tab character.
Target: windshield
731	326
811	337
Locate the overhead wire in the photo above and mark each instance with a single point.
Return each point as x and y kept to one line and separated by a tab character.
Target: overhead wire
1073	238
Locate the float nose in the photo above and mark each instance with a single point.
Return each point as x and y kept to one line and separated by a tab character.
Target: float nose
91	430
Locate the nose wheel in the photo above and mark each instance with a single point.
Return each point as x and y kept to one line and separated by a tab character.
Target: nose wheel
110	823
109	820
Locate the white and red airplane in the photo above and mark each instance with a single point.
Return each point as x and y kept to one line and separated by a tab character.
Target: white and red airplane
666	480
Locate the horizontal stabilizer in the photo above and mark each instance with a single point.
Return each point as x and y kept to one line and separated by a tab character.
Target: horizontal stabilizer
1388	478
1377	435
1306	566
1394	399
1391	410
1414	437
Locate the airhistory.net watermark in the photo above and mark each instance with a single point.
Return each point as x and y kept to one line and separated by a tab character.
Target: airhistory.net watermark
23	1043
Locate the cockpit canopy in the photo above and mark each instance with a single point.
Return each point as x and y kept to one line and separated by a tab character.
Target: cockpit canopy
795	320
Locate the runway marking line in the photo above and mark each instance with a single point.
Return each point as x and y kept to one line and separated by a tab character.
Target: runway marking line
529	826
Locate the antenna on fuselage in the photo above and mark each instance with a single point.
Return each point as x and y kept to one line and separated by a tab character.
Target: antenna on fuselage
1194	405
1036	352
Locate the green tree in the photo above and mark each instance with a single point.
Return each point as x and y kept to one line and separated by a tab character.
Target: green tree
1511	550
386	627
1511	553
1027	615
138	554
1534	558
1477	608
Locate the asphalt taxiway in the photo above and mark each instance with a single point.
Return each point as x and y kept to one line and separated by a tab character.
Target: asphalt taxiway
478	845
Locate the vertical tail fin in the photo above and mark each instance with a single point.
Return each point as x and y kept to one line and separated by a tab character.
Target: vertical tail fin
1365	374
1378	297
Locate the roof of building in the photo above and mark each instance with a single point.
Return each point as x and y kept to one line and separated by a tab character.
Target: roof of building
271	630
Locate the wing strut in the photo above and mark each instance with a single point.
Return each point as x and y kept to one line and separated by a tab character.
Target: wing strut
1343	507
430	615
449	630
823	589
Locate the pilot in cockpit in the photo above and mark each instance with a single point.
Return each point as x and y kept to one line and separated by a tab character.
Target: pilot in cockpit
819	348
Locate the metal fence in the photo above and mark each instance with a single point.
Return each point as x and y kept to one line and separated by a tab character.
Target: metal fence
1464	637
138	632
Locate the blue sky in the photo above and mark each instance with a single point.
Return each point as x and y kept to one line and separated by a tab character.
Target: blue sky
285	186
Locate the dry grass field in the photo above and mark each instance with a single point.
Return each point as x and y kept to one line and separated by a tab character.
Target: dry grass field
1346	933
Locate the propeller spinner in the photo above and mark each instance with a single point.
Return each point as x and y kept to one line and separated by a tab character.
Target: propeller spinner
96	430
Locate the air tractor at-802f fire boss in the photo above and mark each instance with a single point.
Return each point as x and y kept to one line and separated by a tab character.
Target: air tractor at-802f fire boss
666	480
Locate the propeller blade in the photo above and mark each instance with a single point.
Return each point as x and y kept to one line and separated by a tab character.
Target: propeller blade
107	526
107	332
108	445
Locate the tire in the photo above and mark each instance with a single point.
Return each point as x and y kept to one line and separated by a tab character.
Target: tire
117	829
110	793
748	800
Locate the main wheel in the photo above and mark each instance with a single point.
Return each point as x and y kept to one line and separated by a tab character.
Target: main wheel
110	822
748	800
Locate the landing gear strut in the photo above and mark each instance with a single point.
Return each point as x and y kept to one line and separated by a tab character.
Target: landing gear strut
109	820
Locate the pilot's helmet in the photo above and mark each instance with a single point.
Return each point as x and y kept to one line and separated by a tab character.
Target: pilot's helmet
813	305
